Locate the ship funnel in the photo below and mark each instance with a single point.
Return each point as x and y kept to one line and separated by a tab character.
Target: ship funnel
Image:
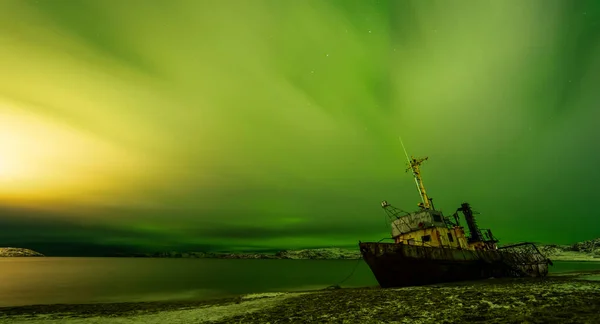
476	235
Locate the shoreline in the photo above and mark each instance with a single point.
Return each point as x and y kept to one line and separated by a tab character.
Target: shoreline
484	301
552	258
576	260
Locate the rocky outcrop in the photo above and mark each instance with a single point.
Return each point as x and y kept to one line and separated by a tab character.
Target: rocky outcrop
553	249
581	251
11	252
587	246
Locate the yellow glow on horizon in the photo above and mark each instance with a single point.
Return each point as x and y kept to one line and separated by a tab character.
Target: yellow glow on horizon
41	160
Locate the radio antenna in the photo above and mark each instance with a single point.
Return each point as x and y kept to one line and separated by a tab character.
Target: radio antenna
412	168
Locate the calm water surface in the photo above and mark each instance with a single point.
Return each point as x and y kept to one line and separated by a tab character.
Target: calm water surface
29	281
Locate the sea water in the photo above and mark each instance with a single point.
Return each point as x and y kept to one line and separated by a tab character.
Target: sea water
49	280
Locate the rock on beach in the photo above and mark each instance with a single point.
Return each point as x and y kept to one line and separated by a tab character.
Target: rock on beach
11	252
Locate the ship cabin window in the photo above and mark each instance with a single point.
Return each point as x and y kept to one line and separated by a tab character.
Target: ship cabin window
426	238
437	218
411	242
450	237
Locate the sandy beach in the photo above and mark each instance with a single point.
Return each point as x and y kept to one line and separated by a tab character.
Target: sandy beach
567	298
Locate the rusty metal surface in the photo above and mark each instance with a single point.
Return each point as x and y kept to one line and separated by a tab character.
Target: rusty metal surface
527	258
396	265
410	222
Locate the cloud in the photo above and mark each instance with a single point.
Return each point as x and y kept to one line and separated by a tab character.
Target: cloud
270	123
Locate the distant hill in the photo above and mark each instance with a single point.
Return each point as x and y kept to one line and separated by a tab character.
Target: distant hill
310	254
581	251
11	252
319	254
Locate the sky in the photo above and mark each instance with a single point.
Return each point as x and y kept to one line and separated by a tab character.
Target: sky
237	125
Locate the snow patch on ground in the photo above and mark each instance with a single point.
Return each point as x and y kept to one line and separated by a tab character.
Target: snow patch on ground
263	295
206	314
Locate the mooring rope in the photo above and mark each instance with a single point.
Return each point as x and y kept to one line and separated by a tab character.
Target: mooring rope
337	286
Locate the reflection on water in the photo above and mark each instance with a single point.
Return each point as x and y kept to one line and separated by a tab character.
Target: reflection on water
27	281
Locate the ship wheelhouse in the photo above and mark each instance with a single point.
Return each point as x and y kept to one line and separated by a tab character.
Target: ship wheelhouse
428	228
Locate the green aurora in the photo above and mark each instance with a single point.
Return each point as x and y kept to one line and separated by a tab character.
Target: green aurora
263	125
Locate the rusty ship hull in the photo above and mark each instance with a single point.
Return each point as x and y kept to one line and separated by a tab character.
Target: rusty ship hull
401	265
432	248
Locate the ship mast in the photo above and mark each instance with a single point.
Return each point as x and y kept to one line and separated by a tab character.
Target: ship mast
414	165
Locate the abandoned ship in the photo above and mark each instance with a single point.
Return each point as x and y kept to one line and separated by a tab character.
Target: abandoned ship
431	248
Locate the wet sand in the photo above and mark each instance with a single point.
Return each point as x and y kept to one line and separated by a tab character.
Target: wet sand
566	298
